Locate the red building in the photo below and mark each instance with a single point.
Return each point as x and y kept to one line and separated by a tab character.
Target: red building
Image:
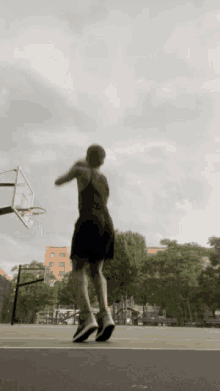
58	259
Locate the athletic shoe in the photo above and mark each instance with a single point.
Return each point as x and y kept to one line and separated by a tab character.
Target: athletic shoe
106	327
85	328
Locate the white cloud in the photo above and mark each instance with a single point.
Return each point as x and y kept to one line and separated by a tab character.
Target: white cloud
140	147
80	67
4	161
111	93
214	59
191	42
46	44
159	236
212	85
210	167
4	93
140	181
69	136
50	62
9	240
164	92
42	156
65	241
182	39
209	21
111	158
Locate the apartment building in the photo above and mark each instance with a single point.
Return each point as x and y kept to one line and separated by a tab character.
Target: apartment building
58	259
154	250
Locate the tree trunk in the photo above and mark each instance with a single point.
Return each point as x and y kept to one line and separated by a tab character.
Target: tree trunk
75	315
113	311
189	311
121	309
125	307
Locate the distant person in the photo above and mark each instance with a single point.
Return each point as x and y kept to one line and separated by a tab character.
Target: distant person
92	242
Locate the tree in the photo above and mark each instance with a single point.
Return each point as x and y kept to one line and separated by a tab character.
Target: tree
208	292
137	248
67	295
171	275
214	253
31	298
122	271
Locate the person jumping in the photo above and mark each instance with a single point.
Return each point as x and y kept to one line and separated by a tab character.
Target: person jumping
92	243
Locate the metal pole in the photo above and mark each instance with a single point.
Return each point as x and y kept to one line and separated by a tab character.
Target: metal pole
6	210
8	171
58	294
16	296
16	182
189	311
35	294
125	309
3	298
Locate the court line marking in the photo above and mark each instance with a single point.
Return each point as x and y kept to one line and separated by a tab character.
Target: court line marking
104	347
112	339
60	339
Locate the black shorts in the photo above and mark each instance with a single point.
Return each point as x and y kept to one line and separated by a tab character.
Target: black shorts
93	238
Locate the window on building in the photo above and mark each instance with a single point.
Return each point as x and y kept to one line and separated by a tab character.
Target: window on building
51	264
61	264
62	254
52	254
61	273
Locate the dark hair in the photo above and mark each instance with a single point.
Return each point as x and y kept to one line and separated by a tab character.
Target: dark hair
95	154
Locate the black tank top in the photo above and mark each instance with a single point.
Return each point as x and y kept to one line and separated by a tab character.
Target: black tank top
91	201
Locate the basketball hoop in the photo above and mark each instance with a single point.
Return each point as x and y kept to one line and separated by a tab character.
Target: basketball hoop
34	217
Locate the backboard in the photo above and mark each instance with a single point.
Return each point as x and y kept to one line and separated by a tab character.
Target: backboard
17	193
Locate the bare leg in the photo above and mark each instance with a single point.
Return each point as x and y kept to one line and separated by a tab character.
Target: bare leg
100	286
101	291
80	286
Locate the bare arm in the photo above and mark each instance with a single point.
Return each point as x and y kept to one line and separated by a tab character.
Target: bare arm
73	172
69	176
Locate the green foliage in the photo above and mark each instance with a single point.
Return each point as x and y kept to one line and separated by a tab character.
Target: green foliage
172	279
31	298
121	272
172	276
67	295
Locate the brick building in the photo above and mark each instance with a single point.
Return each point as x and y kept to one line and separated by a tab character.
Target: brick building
58	259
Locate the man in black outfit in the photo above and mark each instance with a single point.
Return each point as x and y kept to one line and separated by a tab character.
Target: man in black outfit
92	242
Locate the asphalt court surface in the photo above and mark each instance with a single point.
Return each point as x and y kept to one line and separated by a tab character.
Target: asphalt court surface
39	357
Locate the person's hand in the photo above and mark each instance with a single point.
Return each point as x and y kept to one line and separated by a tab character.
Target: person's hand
59	181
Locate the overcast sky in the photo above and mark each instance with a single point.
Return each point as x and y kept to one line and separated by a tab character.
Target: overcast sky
143	83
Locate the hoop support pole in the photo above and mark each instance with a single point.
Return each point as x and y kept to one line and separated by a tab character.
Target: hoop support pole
6	210
7	184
